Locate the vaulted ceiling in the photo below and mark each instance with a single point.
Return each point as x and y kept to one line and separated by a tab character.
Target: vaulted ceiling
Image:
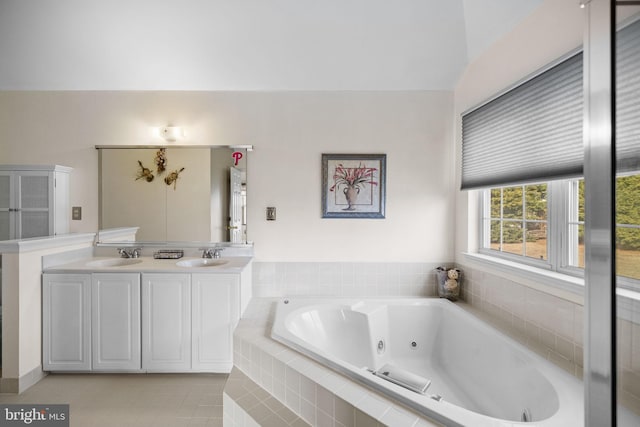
247	44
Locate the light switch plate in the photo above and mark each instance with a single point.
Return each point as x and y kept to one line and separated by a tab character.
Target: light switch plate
271	213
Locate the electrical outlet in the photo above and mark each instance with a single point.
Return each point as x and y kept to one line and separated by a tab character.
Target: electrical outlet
76	213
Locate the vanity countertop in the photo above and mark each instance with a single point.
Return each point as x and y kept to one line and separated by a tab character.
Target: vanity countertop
146	264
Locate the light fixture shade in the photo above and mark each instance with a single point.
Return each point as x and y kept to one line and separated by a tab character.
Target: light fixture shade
171	133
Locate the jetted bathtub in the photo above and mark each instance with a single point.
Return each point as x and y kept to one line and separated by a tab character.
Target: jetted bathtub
473	374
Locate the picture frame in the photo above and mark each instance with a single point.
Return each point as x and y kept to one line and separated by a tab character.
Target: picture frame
353	185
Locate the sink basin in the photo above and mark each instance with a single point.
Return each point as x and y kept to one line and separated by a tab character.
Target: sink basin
201	262
113	262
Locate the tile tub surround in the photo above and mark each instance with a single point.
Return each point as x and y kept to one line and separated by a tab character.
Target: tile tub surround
246	404
277	279
551	326
317	394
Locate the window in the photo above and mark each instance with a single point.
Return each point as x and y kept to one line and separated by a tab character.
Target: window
542	225
628	226
518	220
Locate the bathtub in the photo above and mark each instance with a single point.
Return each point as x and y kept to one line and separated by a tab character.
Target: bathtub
477	376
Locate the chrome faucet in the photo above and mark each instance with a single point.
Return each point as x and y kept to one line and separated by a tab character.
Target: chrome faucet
133	253
211	252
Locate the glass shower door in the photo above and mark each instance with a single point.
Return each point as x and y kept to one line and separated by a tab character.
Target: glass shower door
627	210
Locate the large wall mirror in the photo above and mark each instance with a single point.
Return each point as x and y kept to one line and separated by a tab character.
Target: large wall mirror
181	193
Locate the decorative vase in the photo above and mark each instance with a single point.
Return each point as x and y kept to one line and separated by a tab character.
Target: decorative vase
351	193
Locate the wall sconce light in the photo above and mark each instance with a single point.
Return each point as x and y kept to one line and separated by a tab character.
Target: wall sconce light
168	133
171	133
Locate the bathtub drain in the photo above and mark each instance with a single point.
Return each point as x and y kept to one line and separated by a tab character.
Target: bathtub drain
526	415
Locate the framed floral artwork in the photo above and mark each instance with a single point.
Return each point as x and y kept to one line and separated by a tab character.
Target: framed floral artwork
353	185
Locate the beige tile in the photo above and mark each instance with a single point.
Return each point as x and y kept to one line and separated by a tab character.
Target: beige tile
260	412
578	355
547	338
630	382
635	347
325	401
273	421
344	412
323	419
156	400
364	420
564	348
307	389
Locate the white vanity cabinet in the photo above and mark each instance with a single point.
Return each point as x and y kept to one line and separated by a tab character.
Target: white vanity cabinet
215	313
66	321
141	321
115	321
34	201
166	322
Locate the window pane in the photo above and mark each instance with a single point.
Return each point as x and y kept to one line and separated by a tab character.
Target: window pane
512	202
536	200
581	200
628	216
576	245
495	235
628	200
628	252
536	244
512	237
496	194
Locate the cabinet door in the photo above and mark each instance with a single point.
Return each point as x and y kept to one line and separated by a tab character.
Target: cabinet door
7	218
216	311
66	322
34	200
166	322
115	321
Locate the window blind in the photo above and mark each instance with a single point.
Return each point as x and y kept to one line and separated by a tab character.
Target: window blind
530	133
628	98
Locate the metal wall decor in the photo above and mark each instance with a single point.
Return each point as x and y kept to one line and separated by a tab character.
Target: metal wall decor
160	161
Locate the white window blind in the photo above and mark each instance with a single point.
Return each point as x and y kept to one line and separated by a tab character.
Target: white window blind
530	133
628	98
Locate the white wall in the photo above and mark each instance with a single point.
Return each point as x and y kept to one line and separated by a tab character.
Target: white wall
290	131
552	30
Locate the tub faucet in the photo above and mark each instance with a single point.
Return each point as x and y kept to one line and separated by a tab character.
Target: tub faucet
211	252
133	253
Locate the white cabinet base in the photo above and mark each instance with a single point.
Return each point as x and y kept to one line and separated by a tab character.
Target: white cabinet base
128	322
66	320
216	311
115	322
166	322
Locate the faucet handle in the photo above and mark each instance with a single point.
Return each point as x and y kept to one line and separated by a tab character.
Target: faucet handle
211	252
216	252
133	253
206	252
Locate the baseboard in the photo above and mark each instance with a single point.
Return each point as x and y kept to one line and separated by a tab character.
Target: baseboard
19	385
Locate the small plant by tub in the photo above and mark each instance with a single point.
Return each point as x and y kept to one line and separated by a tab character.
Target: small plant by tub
449	281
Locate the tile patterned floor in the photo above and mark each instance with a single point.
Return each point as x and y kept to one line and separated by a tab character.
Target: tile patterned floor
140	400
